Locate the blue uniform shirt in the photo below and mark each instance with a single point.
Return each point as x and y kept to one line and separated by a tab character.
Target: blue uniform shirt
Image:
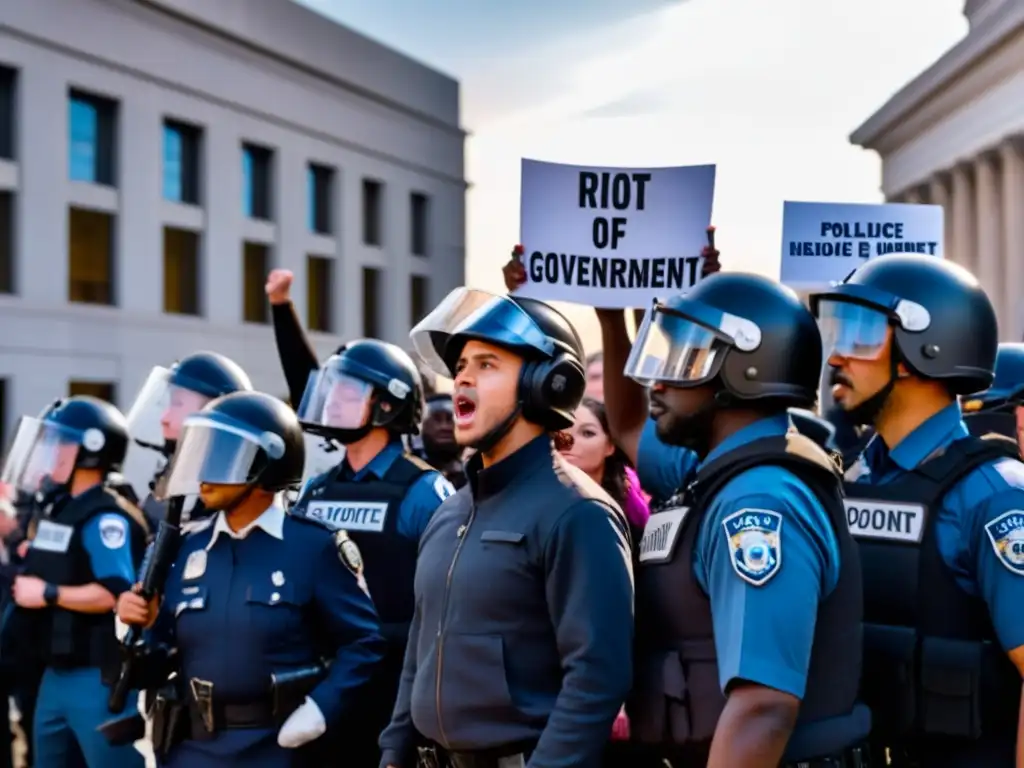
242	606
763	621
421	501
107	539
978	518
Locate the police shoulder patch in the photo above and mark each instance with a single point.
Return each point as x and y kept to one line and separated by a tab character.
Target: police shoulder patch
1006	533
113	531
443	488
348	552
754	537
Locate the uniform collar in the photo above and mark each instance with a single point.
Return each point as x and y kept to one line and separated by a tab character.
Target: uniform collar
270	522
518	466
379	464
770	426
936	433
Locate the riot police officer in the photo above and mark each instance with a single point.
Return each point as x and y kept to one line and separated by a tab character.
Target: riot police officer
748	584
936	512
999	410
521	641
367	397
84	553
165	400
275	631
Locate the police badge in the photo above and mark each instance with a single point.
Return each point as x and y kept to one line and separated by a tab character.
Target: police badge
348	552
1006	533
755	544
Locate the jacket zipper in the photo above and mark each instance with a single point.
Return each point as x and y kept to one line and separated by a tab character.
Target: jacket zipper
463	530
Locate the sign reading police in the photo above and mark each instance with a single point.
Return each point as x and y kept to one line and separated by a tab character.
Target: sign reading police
823	242
613	237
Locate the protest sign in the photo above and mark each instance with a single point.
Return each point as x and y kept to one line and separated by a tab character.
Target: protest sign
823	242
613	237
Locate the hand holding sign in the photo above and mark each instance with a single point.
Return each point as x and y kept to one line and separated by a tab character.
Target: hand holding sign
514	272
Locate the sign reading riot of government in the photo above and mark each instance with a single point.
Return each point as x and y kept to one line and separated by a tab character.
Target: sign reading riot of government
823	242
613	238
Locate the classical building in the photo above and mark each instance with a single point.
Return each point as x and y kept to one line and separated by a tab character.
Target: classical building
158	157
952	137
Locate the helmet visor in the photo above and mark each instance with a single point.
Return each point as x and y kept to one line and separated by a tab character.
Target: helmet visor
43	450
335	399
484	315
673	349
160	409
852	330
218	453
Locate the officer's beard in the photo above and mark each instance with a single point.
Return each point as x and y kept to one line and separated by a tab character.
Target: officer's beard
692	431
866	412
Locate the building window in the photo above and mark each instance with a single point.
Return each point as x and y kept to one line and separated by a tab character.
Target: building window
6	242
104	390
321	184
256	181
319	287
373	196
419	290
8	105
181	271
92	121
181	162
420	210
90	257
255	267
371	289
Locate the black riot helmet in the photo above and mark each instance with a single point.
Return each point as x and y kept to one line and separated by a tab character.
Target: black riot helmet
1007	390
210	374
79	432
365	385
245	439
943	324
746	334
552	380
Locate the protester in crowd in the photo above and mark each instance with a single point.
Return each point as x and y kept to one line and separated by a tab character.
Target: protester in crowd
592	450
595	368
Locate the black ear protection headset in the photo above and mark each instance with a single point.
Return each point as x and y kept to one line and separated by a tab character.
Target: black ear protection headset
549	386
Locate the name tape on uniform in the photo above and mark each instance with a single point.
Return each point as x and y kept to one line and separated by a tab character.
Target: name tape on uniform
367	516
886	520
660	534
52	537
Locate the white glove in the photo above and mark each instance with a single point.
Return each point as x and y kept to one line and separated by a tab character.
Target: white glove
302	726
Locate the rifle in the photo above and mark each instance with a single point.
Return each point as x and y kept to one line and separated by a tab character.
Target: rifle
155	569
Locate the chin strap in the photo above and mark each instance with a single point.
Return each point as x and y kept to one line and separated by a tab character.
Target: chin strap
491	439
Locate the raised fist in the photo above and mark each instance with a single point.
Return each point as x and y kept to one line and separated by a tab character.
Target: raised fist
279	286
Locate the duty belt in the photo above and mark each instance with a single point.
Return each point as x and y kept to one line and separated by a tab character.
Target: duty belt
217	716
856	757
512	756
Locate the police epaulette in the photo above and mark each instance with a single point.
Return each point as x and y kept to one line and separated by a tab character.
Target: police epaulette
798	444
416	461
129	509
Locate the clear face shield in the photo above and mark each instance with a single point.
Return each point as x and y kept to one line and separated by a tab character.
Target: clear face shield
469	310
160	409
214	452
42	452
681	347
851	330
337	400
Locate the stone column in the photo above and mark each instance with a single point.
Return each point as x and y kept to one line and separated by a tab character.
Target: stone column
938	194
963	242
1013	240
988	229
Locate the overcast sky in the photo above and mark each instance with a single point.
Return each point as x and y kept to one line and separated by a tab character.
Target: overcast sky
768	90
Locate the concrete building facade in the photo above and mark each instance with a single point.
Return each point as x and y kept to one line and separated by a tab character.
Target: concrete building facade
953	137
158	157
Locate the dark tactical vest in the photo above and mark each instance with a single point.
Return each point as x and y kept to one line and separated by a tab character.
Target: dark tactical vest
932	664
70	639
677	699
996	423
368	510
